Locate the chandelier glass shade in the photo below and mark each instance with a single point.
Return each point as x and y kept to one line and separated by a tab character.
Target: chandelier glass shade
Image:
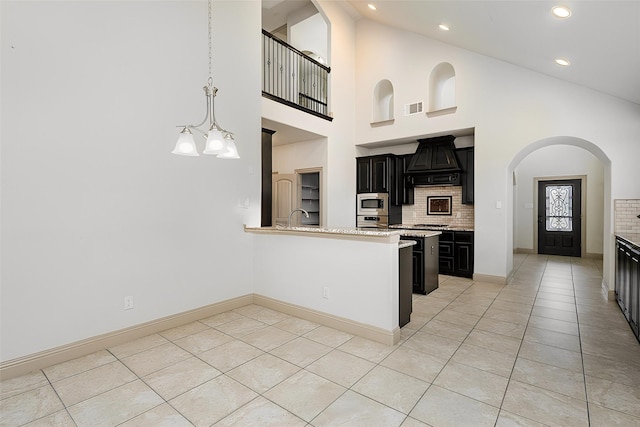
219	141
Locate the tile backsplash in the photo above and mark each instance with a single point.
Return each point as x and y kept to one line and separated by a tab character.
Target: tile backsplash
626	213
461	215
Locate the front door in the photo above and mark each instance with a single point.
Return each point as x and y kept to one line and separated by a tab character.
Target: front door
559	217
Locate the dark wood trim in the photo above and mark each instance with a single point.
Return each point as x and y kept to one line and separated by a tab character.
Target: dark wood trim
288	46
296	106
266	178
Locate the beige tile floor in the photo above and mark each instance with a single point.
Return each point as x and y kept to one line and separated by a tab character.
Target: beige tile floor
546	349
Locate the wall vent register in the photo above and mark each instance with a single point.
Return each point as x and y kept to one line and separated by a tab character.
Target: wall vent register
413	108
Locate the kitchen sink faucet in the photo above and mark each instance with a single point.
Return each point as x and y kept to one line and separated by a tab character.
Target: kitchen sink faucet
306	214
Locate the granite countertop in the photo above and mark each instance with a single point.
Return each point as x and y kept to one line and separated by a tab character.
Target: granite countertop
347	231
633	238
421	227
419	233
406	243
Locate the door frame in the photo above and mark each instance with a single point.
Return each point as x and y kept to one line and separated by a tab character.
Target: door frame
583	209
299	183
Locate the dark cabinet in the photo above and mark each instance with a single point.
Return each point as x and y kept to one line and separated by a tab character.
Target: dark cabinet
363	175
425	264
404	286
385	174
456	253
447	253
266	178
627	282
382	173
403	193
466	162
437	154
375	174
463	246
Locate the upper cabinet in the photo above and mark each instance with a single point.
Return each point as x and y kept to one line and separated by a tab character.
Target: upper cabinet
403	193
466	162
385	174
375	174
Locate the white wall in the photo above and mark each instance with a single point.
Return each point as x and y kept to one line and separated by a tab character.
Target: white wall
340	172
94	206
555	161
367	295
300	155
309	34
305	154
341	169
511	109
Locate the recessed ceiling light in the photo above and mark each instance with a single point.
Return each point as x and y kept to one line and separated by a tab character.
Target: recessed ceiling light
561	11
371	6
443	27
563	62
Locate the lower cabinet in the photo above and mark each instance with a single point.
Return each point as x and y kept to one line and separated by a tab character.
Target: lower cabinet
456	253
627	282
424	264
404	287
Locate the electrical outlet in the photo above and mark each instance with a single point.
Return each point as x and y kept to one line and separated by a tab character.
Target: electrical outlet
128	302
325	292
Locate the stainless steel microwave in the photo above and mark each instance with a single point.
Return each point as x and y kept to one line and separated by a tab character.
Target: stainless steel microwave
372	204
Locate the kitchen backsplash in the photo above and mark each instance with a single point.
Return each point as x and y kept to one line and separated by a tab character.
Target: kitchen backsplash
626	213
461	215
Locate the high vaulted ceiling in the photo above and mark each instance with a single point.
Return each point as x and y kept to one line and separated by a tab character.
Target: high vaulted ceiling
601	38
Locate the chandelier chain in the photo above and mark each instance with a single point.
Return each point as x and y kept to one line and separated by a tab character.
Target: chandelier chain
210	41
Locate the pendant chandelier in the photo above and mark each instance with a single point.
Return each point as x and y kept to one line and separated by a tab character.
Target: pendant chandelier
219	141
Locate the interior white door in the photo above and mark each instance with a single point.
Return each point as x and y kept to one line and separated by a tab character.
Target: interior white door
284	198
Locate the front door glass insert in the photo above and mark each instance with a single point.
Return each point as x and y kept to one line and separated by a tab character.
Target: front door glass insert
559	208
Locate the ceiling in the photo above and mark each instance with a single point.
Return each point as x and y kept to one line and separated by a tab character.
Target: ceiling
601	38
285	134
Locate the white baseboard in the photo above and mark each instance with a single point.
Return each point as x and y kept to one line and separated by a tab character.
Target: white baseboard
346	325
498	280
523	251
23	365
593	256
609	293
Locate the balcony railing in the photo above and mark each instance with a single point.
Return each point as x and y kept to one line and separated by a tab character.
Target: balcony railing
293	78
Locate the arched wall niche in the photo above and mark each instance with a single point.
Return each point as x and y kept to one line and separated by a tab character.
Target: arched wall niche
383	108
442	89
608	243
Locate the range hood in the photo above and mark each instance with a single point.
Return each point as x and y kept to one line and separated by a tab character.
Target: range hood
434	163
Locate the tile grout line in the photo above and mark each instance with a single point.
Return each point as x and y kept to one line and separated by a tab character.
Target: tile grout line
66	408
584	371
521	342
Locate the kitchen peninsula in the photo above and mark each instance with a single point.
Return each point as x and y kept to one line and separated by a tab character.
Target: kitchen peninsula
345	278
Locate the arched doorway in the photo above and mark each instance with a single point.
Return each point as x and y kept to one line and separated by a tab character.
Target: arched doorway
607	229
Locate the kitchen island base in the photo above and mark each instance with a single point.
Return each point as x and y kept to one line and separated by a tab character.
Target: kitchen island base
346	276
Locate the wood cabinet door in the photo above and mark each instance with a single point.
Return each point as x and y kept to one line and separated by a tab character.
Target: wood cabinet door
284	198
466	162
621	261
380	174
418	272
464	259
363	175
402	188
